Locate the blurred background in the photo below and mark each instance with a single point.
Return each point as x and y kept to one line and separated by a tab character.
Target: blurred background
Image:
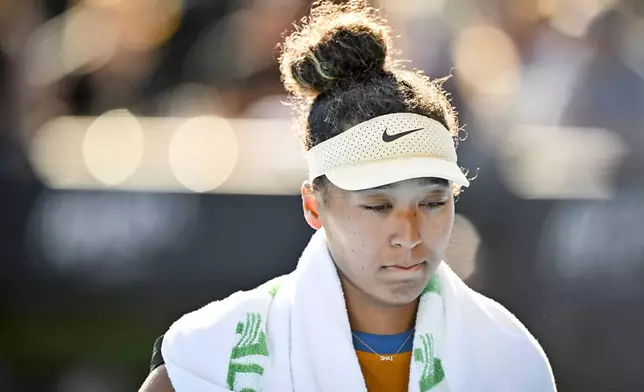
148	167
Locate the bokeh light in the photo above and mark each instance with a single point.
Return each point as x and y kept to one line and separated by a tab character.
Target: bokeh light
632	50
463	247
558	163
412	9
113	147
90	38
81	40
55	152
44	53
572	17
203	153
146	24
487	67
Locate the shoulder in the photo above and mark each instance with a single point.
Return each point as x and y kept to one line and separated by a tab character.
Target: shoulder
194	339
499	315
504	341
157	381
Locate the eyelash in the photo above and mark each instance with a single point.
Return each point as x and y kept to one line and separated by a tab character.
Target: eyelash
384	207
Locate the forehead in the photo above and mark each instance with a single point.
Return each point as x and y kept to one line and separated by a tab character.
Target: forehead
414	185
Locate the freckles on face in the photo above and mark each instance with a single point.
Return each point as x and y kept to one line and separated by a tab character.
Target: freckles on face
355	234
374	235
367	227
352	236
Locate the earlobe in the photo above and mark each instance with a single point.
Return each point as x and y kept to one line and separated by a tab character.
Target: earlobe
311	214
310	206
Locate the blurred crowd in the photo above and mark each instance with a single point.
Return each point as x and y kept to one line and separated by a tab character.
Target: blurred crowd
550	93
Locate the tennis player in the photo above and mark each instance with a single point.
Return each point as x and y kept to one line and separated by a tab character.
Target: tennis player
371	305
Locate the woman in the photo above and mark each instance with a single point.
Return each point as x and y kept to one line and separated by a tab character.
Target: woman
371	306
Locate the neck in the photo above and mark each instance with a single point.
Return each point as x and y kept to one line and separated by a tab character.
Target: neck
365	315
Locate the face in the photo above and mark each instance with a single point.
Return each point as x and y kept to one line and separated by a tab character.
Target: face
386	242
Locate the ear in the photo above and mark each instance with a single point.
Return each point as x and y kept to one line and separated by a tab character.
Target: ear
310	206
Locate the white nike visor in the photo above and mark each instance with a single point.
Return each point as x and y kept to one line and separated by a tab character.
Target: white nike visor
384	150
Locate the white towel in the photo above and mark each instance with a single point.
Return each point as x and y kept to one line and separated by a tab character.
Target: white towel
293	334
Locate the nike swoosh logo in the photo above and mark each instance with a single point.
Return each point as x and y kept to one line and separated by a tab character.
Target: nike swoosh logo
390	138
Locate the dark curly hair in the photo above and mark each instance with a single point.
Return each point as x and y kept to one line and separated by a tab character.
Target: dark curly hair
339	71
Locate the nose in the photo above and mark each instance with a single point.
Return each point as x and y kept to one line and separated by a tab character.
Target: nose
407	234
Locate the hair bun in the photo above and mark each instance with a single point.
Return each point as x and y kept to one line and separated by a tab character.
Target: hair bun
339	43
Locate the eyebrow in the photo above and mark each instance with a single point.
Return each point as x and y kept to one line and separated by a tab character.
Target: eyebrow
425	181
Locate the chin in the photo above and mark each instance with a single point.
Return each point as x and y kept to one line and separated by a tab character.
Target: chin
404	294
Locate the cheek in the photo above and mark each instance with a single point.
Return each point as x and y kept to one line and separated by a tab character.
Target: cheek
440	228
358	238
363	231
355	237
353	226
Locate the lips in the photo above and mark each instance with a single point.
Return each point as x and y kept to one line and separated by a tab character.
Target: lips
412	267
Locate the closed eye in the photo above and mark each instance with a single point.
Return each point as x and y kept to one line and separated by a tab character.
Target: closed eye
433	205
384	207
380	207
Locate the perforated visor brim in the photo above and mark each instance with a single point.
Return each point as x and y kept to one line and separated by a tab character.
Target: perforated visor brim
368	175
